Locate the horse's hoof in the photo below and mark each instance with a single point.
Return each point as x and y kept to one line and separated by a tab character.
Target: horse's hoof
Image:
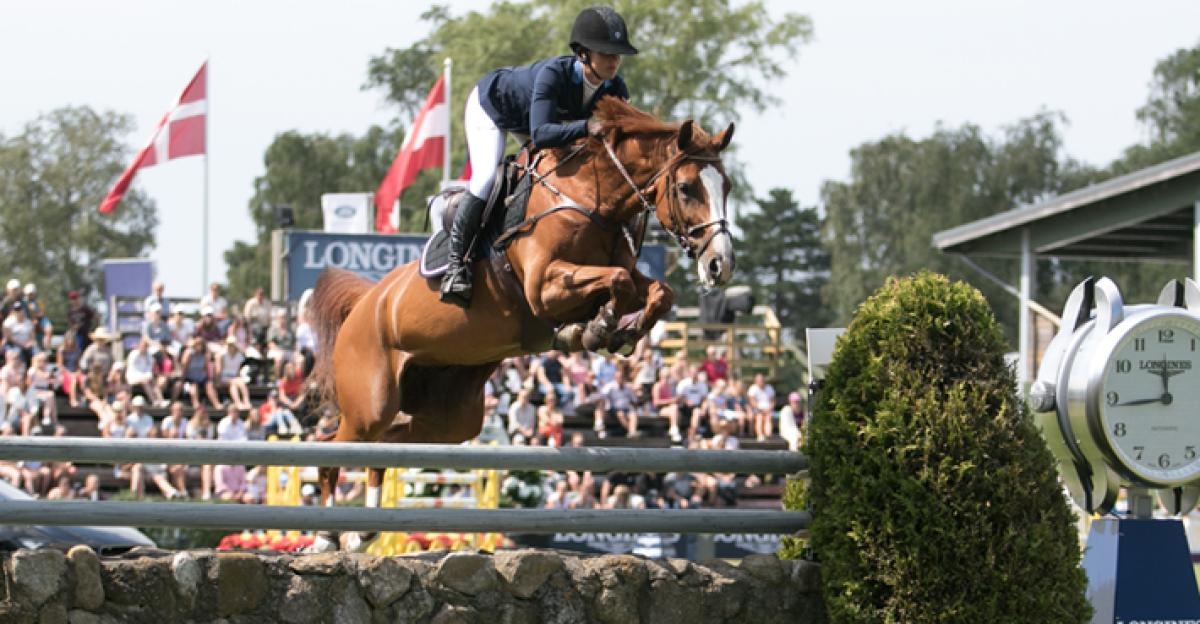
569	338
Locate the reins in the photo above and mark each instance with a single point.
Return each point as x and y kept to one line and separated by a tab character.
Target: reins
682	237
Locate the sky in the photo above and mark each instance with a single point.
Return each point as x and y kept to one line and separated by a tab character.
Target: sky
873	68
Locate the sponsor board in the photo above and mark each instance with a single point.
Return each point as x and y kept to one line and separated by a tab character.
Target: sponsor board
306	253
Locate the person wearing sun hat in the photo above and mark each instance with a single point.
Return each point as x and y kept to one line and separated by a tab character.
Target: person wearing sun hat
12	294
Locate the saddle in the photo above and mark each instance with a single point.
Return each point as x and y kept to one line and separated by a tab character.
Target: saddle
505	209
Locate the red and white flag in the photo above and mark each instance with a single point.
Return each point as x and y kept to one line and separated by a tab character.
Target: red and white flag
180	133
423	148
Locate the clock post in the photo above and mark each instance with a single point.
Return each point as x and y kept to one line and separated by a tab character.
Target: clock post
1117	397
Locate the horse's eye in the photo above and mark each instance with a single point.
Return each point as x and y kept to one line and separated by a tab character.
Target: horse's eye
686	189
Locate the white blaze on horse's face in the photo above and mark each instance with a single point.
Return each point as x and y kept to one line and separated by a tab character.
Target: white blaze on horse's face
715	265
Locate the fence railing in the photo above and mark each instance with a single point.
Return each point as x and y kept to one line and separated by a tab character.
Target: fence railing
92	450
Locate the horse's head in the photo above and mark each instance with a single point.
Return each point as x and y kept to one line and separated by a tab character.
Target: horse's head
678	168
691	201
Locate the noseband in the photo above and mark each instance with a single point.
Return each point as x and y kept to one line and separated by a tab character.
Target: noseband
683	235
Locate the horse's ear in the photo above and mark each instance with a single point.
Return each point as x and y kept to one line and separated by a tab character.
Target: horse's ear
685	135
721	141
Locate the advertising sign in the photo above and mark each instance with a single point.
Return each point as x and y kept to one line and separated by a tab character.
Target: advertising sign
306	253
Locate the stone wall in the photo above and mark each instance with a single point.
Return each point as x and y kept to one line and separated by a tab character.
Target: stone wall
158	587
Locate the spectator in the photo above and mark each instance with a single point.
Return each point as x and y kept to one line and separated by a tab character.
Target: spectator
175	427
550	421
181	332
691	392
209	329
197	368
115	386
662	397
229	372
229	481
12	394
40	382
291	386
156	330
714	365
644	376
722	407
12	294
42	329
762	406
156	300
19	332
522	416
69	373
281	342
140	424
112	422
327	426
576	369
215	302
791	422
619	398
550	374
257	313
605	370
238	330
200	427
624	498
82	319
306	341
279	420
97	358
139	372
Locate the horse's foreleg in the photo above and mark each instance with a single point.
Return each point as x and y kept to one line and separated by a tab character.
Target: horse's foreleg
630	328
356	541
565	288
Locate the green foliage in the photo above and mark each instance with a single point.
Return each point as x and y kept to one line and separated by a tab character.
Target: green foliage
782	257
299	169
902	191
934	497
53	175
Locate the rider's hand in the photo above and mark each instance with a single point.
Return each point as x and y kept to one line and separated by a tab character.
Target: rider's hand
595	127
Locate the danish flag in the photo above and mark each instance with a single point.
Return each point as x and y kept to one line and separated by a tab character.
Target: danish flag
180	133
423	148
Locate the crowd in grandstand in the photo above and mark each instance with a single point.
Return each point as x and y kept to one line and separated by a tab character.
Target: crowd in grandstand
239	373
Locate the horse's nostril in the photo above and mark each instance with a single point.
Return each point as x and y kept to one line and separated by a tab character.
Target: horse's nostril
714	266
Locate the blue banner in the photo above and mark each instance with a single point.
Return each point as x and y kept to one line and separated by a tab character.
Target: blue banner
307	253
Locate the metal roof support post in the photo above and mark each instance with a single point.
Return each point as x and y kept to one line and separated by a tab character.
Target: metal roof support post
1196	240
1025	325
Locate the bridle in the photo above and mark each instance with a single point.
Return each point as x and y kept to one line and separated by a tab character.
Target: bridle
676	229
682	235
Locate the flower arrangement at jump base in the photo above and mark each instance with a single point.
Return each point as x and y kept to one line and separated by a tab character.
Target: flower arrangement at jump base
272	541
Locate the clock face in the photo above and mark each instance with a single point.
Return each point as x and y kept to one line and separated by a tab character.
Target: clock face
1149	398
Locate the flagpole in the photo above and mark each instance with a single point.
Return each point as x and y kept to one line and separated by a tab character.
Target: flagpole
207	123
449	123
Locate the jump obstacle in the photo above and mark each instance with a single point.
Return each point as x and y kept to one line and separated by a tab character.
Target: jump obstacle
237	517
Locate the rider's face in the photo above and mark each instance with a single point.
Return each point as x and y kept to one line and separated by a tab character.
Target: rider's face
604	66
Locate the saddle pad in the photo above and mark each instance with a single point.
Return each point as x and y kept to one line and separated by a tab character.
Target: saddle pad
435	257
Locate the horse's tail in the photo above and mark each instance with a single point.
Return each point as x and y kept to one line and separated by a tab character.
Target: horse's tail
336	293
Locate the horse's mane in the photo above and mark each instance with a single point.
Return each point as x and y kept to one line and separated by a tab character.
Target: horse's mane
617	114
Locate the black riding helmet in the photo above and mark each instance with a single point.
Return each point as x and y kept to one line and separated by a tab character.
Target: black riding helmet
601	29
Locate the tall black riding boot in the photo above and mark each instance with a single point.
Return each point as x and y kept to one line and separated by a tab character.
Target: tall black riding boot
456	283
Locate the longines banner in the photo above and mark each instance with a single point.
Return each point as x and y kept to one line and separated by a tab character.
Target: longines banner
307	253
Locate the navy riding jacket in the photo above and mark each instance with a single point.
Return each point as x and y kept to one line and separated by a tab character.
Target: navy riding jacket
543	100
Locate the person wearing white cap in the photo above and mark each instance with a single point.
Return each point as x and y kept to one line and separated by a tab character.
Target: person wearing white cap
41	323
12	294
156	297
139	370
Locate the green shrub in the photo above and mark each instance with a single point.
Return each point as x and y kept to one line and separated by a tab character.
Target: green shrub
934	497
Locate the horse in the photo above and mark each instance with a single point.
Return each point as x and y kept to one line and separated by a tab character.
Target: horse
401	366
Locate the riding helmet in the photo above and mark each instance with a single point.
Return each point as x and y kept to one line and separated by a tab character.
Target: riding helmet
601	29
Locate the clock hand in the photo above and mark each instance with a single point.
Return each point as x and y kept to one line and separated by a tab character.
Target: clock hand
1142	401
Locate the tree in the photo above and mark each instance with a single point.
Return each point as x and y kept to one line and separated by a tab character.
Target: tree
299	169
53	175
709	59
902	191
1171	113
782	256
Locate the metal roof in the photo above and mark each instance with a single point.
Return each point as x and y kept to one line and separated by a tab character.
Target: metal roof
1144	215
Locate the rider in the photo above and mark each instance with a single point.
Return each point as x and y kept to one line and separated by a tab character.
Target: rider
549	101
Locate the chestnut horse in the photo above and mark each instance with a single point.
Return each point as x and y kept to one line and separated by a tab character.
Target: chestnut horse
401	366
